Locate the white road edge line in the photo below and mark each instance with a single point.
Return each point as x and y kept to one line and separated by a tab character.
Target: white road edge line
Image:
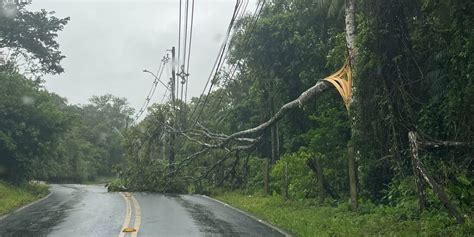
250	215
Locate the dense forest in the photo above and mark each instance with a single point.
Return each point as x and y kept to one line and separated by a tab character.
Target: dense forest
43	137
413	73
412	65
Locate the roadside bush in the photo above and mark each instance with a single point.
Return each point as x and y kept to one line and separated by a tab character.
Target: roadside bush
301	180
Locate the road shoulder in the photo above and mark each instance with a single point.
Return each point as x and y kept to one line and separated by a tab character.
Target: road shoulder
281	231
27	203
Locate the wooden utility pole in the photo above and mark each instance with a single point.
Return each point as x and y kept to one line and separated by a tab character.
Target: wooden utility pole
173	110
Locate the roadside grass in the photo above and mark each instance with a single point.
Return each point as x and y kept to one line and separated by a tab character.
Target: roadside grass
13	197
310	218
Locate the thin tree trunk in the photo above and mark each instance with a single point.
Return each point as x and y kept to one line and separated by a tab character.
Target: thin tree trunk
420	190
286	182
274	134
319	175
318	170
265	178
352	176
273	143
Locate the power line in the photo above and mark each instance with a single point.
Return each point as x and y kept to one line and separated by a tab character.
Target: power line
218	63
183	62
176	83
189	51
253	23
216	66
219	56
179	31
255	17
152	90
185	45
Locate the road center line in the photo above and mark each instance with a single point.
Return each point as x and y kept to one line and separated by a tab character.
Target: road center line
138	216
128	213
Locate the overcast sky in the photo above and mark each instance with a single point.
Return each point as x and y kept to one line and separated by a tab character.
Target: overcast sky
108	43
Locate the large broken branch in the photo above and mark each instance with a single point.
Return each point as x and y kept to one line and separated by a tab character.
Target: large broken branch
438	190
223	140
319	87
297	103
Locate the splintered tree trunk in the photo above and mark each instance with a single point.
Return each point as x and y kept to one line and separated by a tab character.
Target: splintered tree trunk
438	190
350	8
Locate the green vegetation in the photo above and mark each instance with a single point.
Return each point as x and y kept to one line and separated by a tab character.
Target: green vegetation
42	137
412	65
311	218
12	197
413	72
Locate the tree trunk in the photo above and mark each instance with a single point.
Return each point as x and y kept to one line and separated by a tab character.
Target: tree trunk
274	134
350	8
324	186
285	191
420	190
352	176
320	176
265	178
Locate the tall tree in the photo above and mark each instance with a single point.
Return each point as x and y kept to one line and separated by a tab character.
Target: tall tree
28	39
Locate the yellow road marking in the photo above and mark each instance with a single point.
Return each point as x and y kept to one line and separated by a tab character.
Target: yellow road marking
128	213
132	206
138	216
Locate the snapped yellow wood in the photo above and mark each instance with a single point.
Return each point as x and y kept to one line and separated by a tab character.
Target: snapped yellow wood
129	229
342	80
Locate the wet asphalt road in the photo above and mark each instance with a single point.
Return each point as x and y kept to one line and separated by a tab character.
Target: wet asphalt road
89	210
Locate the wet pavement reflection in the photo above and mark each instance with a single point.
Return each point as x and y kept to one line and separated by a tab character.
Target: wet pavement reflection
89	210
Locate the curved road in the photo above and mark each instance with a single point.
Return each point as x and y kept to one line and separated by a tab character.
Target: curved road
89	210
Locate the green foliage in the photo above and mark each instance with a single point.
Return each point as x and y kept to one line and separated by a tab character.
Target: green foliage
30	124
413	72
415	63
42	137
301	180
30	36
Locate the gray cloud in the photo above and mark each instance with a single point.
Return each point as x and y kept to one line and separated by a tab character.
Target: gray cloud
108	44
